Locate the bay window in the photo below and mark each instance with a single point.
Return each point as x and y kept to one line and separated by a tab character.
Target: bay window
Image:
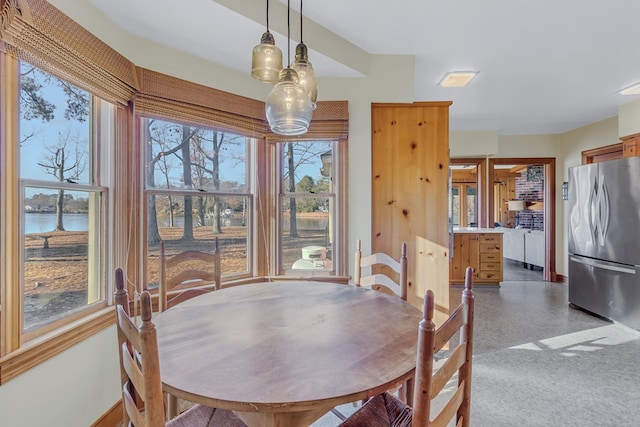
101	160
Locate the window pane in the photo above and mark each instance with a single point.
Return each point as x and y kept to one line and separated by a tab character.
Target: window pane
189	157
192	223
307	234
54	128
471	207
61	271
455	205
307	167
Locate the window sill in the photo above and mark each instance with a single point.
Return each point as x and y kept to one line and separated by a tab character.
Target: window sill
37	351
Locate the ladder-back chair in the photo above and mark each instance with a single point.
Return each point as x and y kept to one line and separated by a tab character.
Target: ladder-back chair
386	410
143	401
192	273
380	281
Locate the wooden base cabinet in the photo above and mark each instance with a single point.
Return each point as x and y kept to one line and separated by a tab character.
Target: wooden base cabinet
482	252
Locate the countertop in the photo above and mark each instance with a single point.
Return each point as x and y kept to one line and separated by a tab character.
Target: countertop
460	230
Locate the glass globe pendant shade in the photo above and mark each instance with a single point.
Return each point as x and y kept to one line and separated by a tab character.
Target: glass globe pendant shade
288	107
266	60
306	75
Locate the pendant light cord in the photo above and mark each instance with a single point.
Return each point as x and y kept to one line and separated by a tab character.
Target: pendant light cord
288	33
267	16
301	21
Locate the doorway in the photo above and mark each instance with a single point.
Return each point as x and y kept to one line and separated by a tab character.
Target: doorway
499	209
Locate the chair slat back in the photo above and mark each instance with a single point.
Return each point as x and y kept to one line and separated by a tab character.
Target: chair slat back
428	384
187	271
140	368
377	280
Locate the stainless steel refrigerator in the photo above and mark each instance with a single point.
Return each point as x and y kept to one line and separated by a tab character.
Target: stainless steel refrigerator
604	239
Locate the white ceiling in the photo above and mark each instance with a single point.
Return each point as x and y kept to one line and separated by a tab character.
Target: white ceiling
545	66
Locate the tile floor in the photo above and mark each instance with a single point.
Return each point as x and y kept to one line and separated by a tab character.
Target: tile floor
538	362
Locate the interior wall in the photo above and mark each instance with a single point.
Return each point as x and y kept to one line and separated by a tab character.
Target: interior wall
629	119
73	388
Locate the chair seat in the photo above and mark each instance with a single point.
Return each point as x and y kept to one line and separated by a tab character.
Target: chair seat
383	410
204	416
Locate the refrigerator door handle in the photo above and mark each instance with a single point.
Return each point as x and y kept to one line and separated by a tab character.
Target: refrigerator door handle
602	207
603	265
591	205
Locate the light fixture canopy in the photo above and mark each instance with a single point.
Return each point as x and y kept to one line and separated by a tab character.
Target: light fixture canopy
266	60
631	90
457	78
288	107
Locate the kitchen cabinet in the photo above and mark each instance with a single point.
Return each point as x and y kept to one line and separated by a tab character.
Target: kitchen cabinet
480	250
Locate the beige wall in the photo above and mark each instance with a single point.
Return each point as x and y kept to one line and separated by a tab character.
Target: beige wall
473	143
629	119
72	389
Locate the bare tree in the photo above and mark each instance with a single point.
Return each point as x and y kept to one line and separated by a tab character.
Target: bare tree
297	154
187	231
291	168
66	161
172	140
218	141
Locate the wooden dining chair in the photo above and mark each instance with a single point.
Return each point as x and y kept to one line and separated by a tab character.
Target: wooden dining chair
143	401
190	273
378	280
386	410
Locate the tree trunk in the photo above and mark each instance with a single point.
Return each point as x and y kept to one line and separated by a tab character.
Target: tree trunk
201	210
293	226
188	183
217	202
59	210
153	234
60	200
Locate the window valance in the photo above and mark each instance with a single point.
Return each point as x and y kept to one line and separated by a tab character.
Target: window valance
171	98
37	32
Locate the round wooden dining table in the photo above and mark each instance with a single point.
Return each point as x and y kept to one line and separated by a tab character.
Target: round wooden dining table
285	353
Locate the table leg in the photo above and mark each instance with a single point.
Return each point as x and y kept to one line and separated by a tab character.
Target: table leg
281	419
172	406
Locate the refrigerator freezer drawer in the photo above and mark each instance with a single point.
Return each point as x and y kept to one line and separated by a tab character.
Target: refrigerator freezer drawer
606	289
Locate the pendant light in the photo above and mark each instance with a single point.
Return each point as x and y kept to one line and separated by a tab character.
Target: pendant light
266	60
302	66
288	107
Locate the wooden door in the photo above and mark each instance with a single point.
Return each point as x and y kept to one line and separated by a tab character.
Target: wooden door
410	172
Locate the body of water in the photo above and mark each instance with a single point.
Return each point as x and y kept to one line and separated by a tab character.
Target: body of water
43	222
